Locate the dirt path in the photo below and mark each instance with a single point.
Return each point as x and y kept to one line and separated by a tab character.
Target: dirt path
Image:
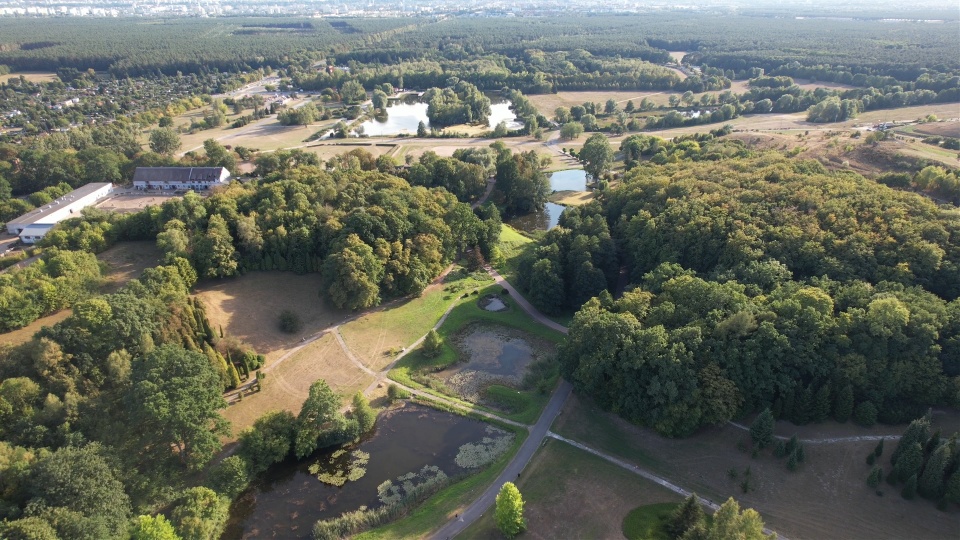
858	438
648	475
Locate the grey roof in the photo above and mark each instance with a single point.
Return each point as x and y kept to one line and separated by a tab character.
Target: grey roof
178	174
45	210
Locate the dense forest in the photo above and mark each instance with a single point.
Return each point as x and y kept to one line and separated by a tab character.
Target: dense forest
758	281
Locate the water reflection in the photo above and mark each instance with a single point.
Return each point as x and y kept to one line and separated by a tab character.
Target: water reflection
539	221
569	180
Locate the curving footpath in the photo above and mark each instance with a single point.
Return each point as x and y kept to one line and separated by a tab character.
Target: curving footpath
855	438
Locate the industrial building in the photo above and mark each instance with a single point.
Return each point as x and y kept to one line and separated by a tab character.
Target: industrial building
180	178
33	225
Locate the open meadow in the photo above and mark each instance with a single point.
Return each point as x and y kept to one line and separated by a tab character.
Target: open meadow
248	307
127	260
287	386
569	493
826	498
30	76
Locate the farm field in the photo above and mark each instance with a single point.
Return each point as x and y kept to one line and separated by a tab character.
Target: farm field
569	493
31	76
827	498
287	386
249	307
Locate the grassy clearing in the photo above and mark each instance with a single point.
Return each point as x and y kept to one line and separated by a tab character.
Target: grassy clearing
521	406
377	337
23	335
467	312
126	261
827	498
569	493
572	198
287	386
30	76
513	244
448	502
647	522
249	307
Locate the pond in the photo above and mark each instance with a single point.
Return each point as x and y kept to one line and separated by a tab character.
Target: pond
543	220
288	499
569	180
500	112
405	114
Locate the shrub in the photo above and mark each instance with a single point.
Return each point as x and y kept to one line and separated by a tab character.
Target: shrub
290	322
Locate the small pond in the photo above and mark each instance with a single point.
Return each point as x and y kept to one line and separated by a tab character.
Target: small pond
569	180
539	221
288	499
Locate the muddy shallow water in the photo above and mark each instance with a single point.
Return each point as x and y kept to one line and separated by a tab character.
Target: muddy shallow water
491	354
287	500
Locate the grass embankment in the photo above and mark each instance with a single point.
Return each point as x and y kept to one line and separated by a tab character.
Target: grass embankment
442	507
522	406
569	493
377	337
513	245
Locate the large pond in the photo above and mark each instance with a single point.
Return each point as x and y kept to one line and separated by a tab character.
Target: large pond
405	114
569	180
289	498
539	221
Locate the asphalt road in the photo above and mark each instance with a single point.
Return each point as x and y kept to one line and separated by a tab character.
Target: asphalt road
485	502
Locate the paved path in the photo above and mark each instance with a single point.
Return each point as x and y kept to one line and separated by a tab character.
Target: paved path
512	471
856	438
532	311
645	474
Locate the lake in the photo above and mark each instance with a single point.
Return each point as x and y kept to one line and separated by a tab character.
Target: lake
287	500
405	114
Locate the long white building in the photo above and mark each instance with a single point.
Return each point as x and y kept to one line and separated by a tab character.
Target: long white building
33	225
180	178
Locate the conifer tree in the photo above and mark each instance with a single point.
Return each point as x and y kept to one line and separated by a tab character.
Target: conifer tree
761	431
910	488
909	462
686	516
843	407
821	404
931	484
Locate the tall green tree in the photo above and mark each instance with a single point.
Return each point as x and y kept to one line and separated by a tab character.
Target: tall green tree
175	399
596	155
352	275
687	516
200	514
268	441
319	416
509	511
164	141
213	253
761	431
153	528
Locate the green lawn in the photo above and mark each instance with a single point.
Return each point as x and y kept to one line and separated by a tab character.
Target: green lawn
378	336
648	522
513	244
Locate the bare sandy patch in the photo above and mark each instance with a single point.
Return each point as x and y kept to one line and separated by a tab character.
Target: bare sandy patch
31	76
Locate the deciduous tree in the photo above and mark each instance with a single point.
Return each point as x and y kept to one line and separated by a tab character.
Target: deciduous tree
509	511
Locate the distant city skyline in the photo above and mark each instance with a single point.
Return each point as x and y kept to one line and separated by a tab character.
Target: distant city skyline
393	8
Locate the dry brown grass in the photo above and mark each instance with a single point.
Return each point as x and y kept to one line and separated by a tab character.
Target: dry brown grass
569	493
249	307
23	335
572	198
33	76
941	129
134	202
126	261
827	498
287	386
